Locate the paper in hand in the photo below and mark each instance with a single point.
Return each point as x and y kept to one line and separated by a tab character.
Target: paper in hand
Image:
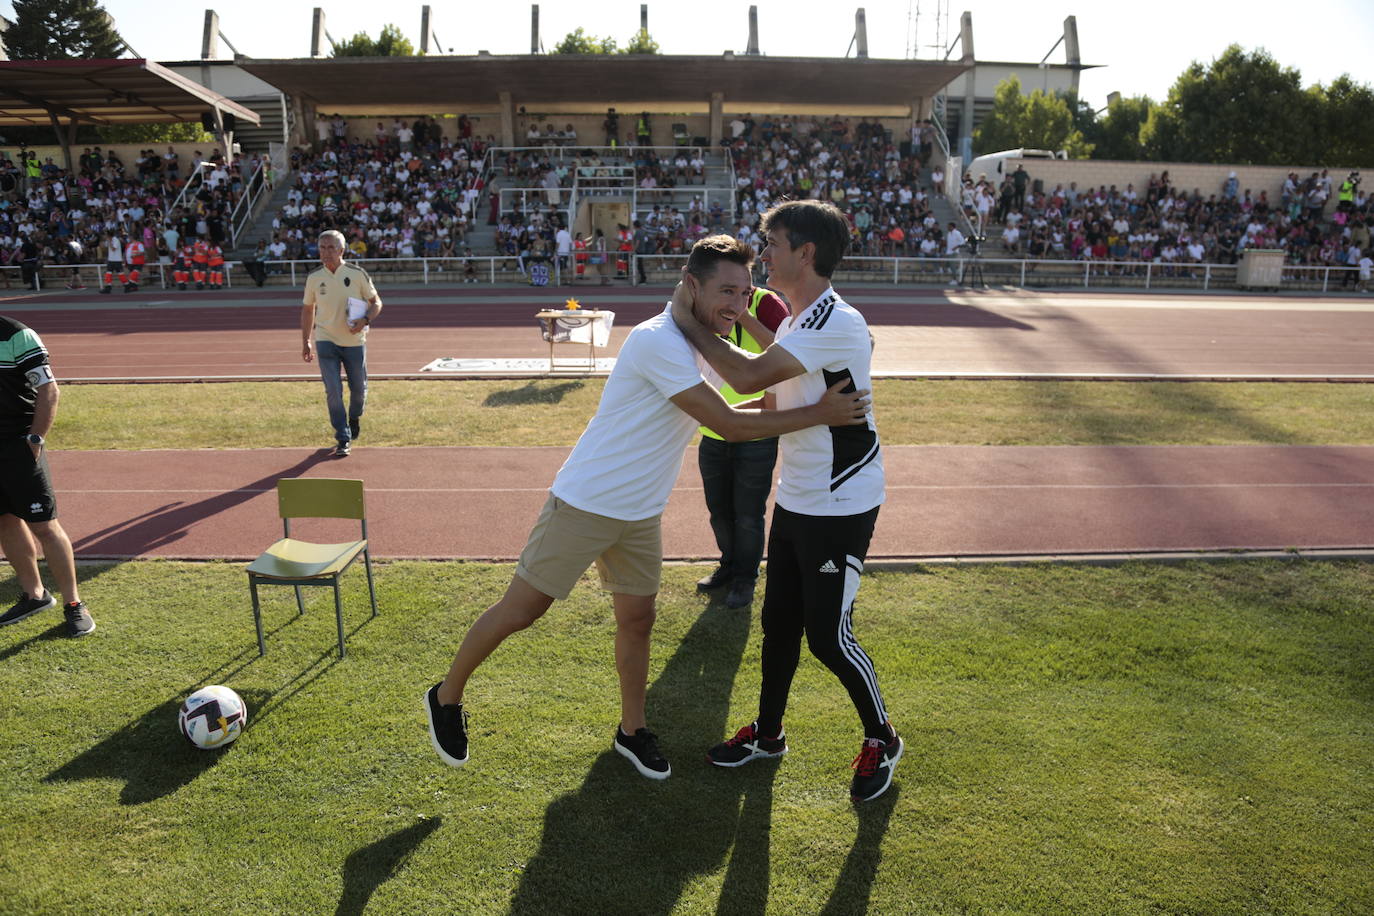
357	308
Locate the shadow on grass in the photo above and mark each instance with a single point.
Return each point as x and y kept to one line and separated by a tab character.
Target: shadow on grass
373	865
149	754
855	883
625	843
532	393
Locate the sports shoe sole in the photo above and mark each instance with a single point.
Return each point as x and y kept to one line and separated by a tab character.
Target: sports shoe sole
891	768
643	770
51	602
756	755
444	755
80	633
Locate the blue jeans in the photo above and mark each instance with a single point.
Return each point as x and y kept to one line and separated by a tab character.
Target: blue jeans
353	362
737	478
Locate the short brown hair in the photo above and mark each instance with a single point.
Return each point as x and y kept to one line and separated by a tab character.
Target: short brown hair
707	254
820	223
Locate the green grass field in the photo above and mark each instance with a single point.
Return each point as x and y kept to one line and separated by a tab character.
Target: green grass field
1141	739
554	411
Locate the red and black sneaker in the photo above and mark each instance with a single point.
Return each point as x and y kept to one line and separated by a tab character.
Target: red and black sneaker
873	767
747	745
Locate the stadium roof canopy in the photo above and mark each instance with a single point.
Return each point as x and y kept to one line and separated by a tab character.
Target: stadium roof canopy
105	92
372	85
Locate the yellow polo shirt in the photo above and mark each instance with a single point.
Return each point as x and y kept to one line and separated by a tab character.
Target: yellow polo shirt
329	292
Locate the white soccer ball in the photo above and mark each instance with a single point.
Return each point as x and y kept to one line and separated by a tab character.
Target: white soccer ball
212	717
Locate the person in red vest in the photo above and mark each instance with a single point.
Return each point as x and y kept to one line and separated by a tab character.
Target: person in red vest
200	257
579	256
215	261
134	258
623	251
185	259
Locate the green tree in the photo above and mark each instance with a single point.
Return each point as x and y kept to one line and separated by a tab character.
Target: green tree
640	43
1037	121
1242	108
391	43
1342	123
61	30
579	42
182	132
1117	135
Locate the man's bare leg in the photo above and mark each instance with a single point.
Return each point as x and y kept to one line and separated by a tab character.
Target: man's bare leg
521	606
22	553
57	550
634	622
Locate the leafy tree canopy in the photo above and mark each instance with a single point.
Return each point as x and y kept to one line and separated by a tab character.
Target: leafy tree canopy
61	30
1036	121
579	42
184	132
391	43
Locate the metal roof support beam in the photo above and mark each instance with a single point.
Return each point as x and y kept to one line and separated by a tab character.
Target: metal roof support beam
753	47
644	18
534	28
209	39
318	35
1071	54
424	29
860	33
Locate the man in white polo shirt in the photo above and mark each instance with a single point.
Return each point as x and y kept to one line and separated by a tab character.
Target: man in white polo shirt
606	502
829	489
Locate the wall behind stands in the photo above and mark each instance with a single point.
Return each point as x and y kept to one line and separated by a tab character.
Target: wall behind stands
1183	176
127	152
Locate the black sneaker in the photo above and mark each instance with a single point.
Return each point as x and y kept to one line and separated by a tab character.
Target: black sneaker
747	745
355	428
448	728
715	580
641	749
27	607
873	767
342	450
741	594
79	622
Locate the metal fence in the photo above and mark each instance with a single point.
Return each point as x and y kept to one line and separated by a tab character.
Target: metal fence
658	269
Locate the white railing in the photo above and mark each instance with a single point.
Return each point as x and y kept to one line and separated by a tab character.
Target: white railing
968	270
244	211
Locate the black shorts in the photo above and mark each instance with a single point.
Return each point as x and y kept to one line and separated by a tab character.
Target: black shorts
25	484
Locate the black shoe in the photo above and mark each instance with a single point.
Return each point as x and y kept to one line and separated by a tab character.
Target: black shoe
873	767
27	607
79	622
105	290
342	450
200	286
182	287
741	594
448	728
130	287
715	580
747	745
355	428
641	749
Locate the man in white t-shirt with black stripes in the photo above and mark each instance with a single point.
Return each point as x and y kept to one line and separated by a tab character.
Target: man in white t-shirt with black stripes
829	489
606	504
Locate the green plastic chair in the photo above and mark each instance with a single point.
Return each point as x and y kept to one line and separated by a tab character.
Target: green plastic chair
297	563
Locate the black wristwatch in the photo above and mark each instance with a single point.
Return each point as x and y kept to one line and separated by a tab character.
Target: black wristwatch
35	439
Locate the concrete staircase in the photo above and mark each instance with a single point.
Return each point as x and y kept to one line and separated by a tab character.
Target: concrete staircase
261	229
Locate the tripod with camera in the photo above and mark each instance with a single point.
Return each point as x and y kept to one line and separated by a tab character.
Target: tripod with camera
971	269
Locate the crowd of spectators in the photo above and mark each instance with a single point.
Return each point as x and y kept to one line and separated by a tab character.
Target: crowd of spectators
50	215
1172	227
872	175
407	191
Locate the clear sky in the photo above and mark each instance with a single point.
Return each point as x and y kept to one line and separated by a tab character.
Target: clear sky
1143	47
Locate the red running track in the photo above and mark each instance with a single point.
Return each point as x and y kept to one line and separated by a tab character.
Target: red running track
942	500
924	331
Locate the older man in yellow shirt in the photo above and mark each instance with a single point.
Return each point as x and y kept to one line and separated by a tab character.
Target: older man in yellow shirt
338	337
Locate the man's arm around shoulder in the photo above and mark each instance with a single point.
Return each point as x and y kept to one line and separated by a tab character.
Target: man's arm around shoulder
704	404
744	371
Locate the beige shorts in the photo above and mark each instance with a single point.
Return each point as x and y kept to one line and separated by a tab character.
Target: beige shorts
566	540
